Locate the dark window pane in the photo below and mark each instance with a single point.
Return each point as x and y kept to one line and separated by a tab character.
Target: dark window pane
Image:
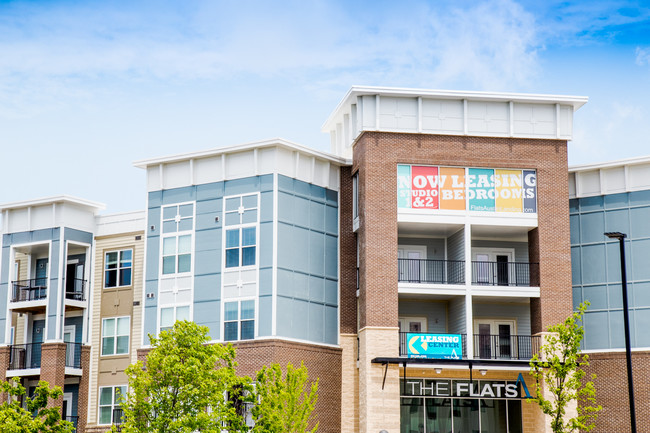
230	331
412	415
184	262
125	277
232	258
108	346
169	265
110	278
466	415
232	238
248	236
247	329
438	411
493	416
248	256
514	416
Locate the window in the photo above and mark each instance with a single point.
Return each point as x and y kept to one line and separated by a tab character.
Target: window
240	247
239	320
177	254
117	268
355	195
178	225
115	336
169	316
241	209
109	400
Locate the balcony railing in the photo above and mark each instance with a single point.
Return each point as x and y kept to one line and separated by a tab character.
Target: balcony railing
520	274
118	418
521	347
73	419
518	347
29	290
73	355
75	289
23	356
403	344
431	271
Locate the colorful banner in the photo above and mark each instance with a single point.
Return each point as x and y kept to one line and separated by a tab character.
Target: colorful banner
472	189
434	346
508	190
452	188
424	188
480	184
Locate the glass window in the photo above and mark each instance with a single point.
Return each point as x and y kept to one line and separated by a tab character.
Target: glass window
239	320
169	316
117	268
241	247
110	398
178	218
115	336
242	209
177	254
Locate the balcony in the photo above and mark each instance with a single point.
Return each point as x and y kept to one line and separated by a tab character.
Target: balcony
431	271
514	274
24	356
29	290
73	355
75	289
73	419
511	347
521	347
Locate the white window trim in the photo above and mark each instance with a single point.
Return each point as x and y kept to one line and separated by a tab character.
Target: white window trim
118	268
174	306
101	337
240	226
176	235
114	404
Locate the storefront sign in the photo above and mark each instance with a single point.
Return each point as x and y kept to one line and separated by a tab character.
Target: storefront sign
473	189
434	346
464	388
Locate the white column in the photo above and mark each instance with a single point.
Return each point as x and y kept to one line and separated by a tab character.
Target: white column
469	316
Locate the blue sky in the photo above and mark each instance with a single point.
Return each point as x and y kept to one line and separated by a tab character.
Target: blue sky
87	87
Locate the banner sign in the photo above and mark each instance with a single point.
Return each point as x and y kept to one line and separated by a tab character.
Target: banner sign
464	388
434	346
473	189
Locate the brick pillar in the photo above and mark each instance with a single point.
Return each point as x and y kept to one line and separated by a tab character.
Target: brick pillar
4	363
82	402
53	368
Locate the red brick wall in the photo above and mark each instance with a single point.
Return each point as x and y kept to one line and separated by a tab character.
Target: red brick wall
612	391
53	368
323	363
4	363
376	155
347	257
82	403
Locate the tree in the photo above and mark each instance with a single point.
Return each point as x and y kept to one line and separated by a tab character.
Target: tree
183	385
35	416
560	367
284	404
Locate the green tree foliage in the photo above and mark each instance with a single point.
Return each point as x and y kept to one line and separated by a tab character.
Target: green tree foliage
560	368
183	385
284	402
35	416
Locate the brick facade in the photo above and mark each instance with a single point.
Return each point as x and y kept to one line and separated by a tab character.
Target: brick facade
53	368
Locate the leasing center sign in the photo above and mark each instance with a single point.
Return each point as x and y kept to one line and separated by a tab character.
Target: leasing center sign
473	189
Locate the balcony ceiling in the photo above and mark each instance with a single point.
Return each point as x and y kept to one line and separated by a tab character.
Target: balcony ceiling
35	250
510	233
427	230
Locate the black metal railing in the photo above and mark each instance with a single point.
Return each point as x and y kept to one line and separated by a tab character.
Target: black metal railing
73	419
29	290
431	271
23	356
520	274
75	289
118	418
73	355
403	344
505	346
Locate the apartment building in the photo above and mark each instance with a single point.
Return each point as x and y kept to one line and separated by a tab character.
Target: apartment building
613	197
413	268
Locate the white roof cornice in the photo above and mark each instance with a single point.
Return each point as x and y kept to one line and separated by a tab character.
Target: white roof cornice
275	142
610	164
95	206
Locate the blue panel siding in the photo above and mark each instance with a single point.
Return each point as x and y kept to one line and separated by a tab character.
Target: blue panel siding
265	316
307	306
77	322
78	236
53	289
208	314
596	272
150	321
74	390
266	281
151	287
207	254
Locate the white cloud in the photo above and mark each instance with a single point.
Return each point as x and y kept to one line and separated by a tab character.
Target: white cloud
642	56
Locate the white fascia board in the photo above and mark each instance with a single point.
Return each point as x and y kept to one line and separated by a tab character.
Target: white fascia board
350	97
275	142
95	206
610	164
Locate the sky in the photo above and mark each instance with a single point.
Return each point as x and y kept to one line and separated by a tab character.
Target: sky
88	87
